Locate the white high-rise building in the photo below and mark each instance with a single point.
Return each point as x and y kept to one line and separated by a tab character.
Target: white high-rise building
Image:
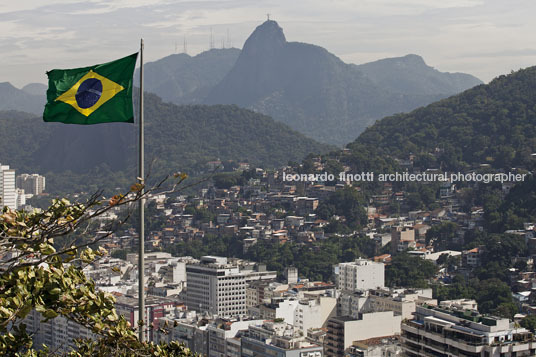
362	274
8	194
21	198
33	184
219	287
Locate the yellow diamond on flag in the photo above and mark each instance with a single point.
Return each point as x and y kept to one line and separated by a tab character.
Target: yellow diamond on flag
90	92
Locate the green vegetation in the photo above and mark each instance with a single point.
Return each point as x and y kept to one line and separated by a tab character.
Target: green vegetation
529	323
86	158
227	180
408	271
488	284
517	207
492	295
221	245
120	254
489	124
37	278
348	203
21	136
442	236
314	261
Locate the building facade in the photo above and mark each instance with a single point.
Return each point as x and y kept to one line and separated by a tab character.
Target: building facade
450	332
344	330
8	193
218	287
277	339
33	184
362	274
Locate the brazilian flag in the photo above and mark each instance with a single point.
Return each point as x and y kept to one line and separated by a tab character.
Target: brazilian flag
91	95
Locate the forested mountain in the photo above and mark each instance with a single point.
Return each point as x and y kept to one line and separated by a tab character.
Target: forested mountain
491	124
178	138
183	79
21	136
316	93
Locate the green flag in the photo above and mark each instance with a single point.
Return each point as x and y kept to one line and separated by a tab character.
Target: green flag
91	95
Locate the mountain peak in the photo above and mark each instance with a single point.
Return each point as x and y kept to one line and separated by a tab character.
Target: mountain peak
7	86
35	89
266	36
413	59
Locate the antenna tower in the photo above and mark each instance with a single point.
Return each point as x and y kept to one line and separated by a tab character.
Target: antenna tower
229	42
211	44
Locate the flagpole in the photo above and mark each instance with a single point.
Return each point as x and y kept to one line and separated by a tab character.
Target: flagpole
141	252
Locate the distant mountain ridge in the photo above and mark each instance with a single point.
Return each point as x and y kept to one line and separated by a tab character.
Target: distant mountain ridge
12	98
182	79
317	94
302	85
39	89
411	75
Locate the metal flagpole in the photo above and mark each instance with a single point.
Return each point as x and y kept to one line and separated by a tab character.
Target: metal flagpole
141	252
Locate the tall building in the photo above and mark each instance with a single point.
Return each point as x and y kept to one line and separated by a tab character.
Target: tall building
291	274
446	332
33	184
314	313
218	287
362	274
21	198
8	194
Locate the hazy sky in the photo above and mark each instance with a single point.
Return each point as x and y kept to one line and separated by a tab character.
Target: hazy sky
485	38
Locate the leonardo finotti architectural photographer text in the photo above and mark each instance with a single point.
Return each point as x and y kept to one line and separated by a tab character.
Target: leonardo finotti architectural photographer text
406	177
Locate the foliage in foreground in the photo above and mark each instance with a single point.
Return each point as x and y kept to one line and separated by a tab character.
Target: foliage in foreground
36	276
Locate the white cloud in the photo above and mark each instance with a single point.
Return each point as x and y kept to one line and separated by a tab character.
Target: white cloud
15	30
74	33
28	5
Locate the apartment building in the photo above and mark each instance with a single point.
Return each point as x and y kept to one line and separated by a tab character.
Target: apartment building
362	274
8	193
444	332
33	184
218	287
